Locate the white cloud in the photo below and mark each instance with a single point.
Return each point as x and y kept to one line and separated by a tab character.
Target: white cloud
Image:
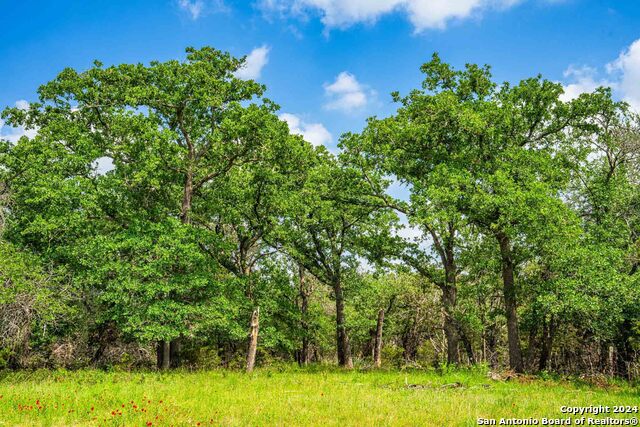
254	63
583	80
347	94
315	133
423	14
627	68
12	134
622	76
192	7
345	82
341	13
22	104
196	9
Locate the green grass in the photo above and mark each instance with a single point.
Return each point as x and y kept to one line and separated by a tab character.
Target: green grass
317	396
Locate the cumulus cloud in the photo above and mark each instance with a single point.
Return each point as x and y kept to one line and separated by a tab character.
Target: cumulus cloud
315	133
254	63
622	75
12	134
583	80
347	94
627	69
423	14
426	14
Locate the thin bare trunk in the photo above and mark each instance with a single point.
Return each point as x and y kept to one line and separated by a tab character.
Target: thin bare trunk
377	348
164	355
304	291
510	303
492	345
342	339
548	332
531	346
253	339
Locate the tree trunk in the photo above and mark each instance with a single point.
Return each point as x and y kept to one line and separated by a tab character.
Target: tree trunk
175	347
253	339
369	346
164	355
466	342
104	335
159	354
303	291
611	360
624	352
411	340
342	339
449	298
377	348
492	345
169	354
548	331
187	195
450	330
510	303
531	347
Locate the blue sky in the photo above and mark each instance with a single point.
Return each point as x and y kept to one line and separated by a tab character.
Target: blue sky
330	64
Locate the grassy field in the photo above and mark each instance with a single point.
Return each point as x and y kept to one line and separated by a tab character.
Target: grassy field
288	397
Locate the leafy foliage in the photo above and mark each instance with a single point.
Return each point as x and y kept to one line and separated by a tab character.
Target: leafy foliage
159	205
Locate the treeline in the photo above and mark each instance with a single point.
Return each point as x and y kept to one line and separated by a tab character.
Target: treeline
163	215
